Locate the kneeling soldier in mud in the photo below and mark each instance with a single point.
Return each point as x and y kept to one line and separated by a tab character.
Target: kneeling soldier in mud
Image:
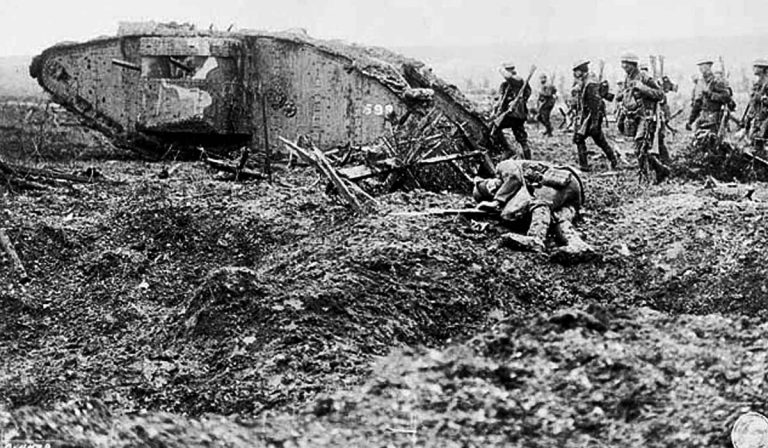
639	100
757	116
589	108
551	194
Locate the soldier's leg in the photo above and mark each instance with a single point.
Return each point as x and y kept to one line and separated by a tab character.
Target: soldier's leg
574	249
500	140
641	148
663	150
599	138
581	150
518	128
546	120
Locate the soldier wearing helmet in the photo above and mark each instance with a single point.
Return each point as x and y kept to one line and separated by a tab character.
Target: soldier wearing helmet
639	99
516	117
757	118
546	100
589	113
709	96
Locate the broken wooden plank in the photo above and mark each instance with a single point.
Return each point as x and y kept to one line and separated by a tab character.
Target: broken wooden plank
362	172
5	242
337	181
18	170
222	165
316	158
468	212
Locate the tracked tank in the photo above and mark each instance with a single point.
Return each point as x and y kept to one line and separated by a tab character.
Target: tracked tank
155	86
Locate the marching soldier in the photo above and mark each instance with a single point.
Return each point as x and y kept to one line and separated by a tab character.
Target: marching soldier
757	117
515	118
710	95
639	100
547	98
589	112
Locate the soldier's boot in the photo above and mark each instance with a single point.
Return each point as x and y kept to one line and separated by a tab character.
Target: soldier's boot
581	150
664	152
526	150
574	248
661	171
500	140
642	164
548	128
533	241
608	150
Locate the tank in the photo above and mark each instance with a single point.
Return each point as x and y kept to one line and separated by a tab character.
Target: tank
156	86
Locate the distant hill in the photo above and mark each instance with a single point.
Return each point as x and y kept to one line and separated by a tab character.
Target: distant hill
15	81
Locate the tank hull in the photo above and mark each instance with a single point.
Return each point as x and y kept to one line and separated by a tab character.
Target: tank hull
160	86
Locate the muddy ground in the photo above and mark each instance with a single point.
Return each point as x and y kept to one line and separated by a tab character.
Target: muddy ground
195	311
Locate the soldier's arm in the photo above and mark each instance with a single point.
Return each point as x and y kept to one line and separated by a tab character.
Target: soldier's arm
720	92
592	99
527	92
649	89
695	110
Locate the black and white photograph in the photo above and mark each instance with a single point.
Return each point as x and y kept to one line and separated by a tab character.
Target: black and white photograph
383	223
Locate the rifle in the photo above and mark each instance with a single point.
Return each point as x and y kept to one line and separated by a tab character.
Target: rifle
515	103
657	133
743	123
723	128
566	122
602	69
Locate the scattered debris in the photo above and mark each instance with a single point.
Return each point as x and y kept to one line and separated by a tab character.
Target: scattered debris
7	246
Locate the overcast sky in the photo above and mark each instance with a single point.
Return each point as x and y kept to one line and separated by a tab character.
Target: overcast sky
28	26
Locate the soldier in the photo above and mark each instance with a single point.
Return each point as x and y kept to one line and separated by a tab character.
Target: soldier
515	117
710	95
757	118
547	98
589	111
639	100
551	194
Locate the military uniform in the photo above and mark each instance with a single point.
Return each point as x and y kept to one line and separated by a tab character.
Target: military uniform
551	194
515	119
639	98
757	119
710	94
589	110
546	100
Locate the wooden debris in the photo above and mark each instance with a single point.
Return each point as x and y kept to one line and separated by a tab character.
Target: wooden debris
244	159
19	173
5	242
468	212
228	167
317	159
363	172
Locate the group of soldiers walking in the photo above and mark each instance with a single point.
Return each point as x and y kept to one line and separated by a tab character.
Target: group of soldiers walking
642	110
551	194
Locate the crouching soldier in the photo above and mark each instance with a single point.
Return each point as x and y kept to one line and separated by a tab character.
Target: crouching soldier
550	194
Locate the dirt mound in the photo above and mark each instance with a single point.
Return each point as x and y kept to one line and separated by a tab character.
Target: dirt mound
631	378
194	296
591	377
704	156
